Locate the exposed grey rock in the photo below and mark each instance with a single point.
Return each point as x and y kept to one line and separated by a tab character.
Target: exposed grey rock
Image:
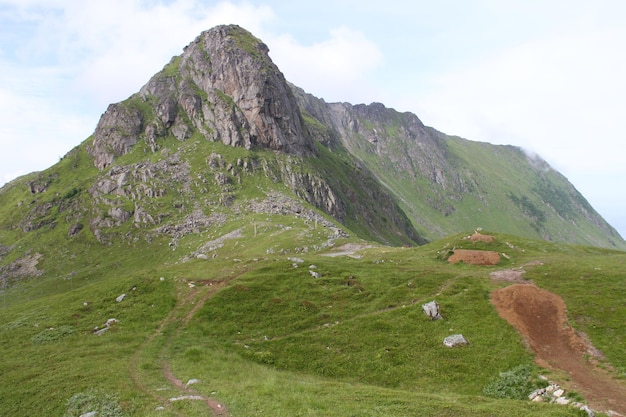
588	410
187	397
120	298
215	244
195	222
193	381
431	309
455	340
119	215
536	394
23	267
41	183
117	131
4	250
98	332
224	86
90	414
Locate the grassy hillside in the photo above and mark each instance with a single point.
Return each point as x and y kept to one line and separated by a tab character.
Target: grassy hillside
265	337
501	189
446	184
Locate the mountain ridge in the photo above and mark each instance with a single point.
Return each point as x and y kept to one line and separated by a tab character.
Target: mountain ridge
413	159
383	175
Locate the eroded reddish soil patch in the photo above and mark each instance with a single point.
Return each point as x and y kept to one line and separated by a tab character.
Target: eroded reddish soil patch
540	316
479	237
474	257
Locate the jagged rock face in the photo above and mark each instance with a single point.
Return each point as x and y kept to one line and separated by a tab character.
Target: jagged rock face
223	86
423	153
401	143
117	131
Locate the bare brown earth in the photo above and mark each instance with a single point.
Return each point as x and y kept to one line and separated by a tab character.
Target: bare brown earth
479	237
541	317
474	257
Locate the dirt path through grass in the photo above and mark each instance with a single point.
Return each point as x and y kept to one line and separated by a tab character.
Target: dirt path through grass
541	317
149	364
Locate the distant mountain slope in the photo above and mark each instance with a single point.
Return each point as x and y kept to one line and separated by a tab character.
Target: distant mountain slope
448	184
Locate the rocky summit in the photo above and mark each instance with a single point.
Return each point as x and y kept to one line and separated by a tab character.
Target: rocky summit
224	86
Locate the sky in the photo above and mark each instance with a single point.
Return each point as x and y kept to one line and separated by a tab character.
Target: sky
545	75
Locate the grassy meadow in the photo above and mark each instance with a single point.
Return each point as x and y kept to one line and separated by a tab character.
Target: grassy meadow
267	338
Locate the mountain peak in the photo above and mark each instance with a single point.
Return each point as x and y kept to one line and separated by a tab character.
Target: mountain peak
224	87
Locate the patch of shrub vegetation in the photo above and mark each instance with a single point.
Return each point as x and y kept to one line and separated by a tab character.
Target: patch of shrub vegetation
103	404
514	384
53	335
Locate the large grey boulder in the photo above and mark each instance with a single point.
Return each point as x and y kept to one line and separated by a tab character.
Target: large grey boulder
432	310
455	340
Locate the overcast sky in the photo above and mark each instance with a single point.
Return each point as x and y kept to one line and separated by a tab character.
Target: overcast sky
548	75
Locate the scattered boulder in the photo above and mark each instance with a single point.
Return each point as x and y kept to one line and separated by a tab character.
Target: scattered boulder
314	274
557	395
455	340
120	298
107	325
588	410
432	310
193	381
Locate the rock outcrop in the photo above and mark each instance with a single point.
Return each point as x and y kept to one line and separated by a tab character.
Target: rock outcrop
223	87
432	310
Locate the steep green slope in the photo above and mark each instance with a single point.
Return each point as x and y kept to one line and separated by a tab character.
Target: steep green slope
447	184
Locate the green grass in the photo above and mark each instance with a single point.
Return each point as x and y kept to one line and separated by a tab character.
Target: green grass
273	340
277	341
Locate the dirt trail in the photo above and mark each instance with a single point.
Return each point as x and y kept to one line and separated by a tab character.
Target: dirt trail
541	317
180	316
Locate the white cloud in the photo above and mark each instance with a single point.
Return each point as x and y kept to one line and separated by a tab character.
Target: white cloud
336	69
561	97
113	47
35	132
71	59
